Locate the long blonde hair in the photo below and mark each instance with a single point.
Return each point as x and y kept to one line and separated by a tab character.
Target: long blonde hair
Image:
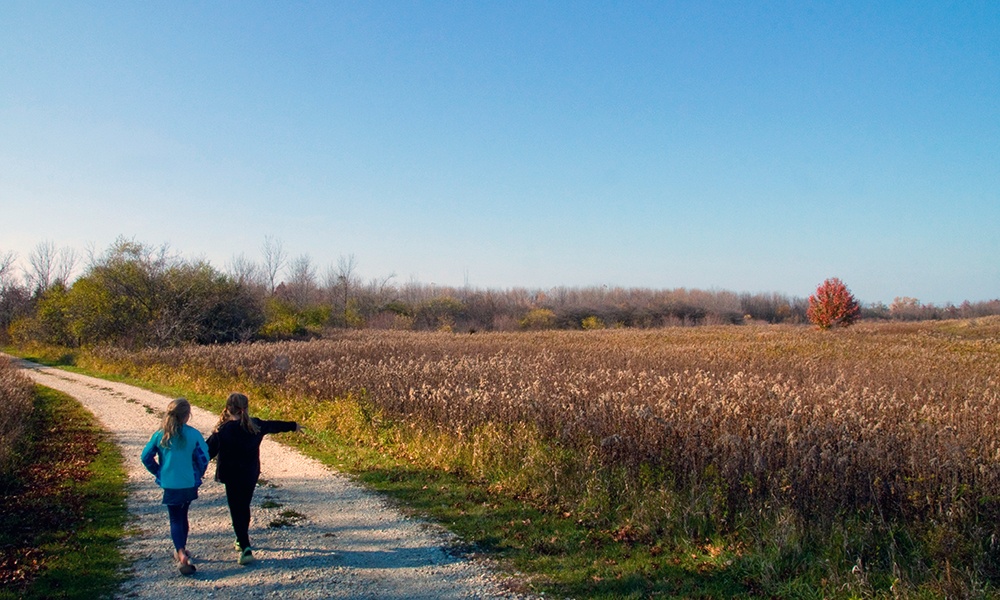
238	409
178	412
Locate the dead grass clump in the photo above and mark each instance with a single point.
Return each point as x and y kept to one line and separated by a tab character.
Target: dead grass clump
16	400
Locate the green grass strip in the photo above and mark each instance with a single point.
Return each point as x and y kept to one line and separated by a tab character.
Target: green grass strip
66	506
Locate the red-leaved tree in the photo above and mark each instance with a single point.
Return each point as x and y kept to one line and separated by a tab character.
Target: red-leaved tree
833	305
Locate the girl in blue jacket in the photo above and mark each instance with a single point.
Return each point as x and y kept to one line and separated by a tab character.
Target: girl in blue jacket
177	456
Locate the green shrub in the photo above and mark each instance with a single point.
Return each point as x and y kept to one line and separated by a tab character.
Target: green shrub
538	319
284	321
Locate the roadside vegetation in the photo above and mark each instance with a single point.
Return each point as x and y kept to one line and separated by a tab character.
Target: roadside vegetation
63	496
759	461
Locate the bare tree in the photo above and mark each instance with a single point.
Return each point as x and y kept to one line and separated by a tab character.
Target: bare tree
341	284
48	265
7	260
65	264
243	270
347	267
41	265
347	279
274	258
380	288
301	285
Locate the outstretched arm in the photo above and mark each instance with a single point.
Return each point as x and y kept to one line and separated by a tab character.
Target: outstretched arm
278	426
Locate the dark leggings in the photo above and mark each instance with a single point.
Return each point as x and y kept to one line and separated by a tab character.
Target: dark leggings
178	524
239	495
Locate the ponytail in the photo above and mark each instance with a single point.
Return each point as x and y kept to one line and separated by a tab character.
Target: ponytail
178	412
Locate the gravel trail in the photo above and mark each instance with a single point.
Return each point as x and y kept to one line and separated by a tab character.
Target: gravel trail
338	540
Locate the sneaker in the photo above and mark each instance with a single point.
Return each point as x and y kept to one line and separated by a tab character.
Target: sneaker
246	557
185	565
236	544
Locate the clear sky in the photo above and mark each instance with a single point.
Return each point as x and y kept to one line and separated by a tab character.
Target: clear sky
744	146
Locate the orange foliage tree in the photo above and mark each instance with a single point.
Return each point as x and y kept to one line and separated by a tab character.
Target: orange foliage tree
833	305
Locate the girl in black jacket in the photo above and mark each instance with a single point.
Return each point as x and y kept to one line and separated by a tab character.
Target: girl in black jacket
236	442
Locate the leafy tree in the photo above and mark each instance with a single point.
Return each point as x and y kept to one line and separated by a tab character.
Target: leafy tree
136	296
234	314
16	301
120	297
200	304
538	319
50	322
283	320
833	305
439	313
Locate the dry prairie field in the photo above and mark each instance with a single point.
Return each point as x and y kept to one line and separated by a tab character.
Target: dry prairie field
884	437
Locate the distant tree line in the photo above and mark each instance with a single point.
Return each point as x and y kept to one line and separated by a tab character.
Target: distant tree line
904	308
136	295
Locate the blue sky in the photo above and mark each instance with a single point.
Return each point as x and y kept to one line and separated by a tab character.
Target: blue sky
744	146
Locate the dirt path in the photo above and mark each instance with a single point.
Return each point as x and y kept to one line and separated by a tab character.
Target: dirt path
344	542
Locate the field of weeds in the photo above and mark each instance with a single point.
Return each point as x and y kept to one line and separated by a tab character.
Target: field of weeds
16	398
865	459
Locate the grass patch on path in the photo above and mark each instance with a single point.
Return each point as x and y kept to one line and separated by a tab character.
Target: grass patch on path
64	507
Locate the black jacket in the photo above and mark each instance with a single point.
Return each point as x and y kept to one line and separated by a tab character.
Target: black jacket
238	450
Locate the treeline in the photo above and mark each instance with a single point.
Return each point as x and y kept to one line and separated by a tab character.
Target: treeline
136	295
910	309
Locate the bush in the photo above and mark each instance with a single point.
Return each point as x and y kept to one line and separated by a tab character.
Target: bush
134	296
50	323
538	319
833	305
16	396
284	321
438	314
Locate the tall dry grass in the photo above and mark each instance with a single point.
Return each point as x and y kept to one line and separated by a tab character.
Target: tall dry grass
15	406
706	427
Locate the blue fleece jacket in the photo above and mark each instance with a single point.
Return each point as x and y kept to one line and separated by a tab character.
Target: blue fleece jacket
180	466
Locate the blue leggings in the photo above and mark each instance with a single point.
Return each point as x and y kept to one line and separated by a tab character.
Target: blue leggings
179	524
